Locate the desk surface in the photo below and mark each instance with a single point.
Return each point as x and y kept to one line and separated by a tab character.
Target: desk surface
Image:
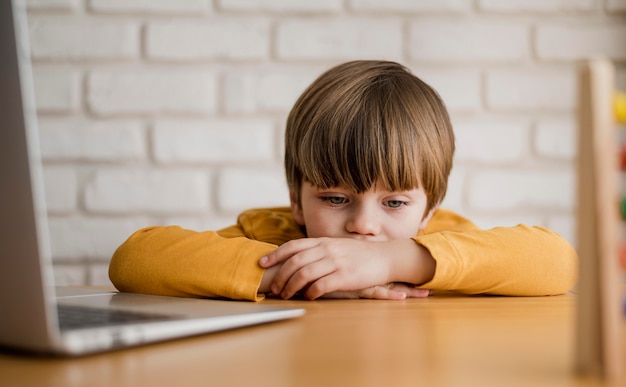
443	340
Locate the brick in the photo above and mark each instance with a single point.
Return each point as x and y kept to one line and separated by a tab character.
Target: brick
76	238
615	5
522	190
250	92
539	6
121	191
565	225
491	141
212	222
455	195
78	140
620	76
240	39
56	90
69	275
99	275
151	91
409	6
240	189
56	5
60	186
580	41
339	39
72	38
460	89
215	141
468	41
300	6
549	89
556	138
167	7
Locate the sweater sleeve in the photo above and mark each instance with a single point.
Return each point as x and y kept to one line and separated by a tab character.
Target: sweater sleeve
173	261
513	261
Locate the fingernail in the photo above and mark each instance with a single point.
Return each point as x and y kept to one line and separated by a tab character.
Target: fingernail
263	260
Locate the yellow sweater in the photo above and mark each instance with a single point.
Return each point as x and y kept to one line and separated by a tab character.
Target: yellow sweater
513	261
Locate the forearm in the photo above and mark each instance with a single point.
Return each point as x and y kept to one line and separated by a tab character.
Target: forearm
513	261
176	262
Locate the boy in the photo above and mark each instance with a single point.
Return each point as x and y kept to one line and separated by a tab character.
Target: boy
368	152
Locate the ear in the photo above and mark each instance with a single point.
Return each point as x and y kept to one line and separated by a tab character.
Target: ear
296	209
427	218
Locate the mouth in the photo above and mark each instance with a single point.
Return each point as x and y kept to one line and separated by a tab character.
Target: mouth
367	238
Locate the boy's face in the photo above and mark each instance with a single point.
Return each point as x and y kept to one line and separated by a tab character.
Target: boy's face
375	215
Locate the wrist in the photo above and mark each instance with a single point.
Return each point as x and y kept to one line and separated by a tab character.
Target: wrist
411	263
268	277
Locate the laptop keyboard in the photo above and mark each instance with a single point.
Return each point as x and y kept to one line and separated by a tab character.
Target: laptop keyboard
76	317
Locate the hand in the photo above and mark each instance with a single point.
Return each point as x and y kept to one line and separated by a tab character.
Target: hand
392	291
325	265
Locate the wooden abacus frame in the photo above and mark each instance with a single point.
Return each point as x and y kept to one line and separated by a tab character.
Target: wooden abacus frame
599	351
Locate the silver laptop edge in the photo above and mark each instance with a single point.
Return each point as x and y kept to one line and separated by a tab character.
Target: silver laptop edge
27	293
22	197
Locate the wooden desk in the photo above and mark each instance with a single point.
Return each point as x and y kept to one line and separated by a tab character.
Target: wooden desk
440	341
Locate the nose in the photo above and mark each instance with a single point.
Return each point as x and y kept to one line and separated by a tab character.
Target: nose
363	221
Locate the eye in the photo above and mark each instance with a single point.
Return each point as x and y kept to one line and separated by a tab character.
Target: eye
395	203
334	200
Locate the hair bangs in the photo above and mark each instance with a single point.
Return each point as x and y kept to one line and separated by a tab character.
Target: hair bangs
360	152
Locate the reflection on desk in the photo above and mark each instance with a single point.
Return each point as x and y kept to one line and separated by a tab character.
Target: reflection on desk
442	340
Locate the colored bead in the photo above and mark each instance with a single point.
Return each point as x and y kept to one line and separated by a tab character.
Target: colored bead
620	107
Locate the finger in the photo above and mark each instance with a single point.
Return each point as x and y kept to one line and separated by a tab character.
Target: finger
287	250
326	277
386	293
411	291
324	286
314	276
417	293
295	272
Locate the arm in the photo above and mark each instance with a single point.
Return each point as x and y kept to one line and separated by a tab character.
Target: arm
177	262
512	261
516	261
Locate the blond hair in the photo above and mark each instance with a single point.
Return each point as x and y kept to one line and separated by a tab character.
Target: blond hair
367	121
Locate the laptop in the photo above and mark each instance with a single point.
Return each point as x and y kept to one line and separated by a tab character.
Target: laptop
34	311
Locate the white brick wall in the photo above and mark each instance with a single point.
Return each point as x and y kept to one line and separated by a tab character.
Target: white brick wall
166	7
139	190
463	40
531	90
172	111
338	38
57	90
565	41
218	142
247	39
128	92
508	141
74	38
92	141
